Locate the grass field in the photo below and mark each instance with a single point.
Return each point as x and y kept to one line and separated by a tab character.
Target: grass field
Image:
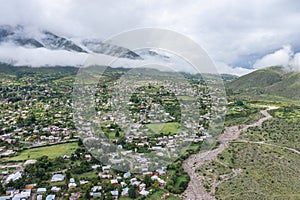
186	98
166	128
50	151
158	195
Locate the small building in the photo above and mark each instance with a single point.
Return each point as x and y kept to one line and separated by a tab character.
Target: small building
50	197
30	186
125	191
144	193
57	178
39	197
127	175
41	190
55	189
114	182
72	185
115	194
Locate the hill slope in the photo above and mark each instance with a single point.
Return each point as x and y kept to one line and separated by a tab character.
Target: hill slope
272	80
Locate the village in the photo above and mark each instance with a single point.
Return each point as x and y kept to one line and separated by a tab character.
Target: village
157	125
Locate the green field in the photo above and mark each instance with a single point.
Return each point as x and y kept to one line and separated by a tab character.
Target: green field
165	128
50	151
158	195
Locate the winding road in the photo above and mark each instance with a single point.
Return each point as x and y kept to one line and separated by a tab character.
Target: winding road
195	189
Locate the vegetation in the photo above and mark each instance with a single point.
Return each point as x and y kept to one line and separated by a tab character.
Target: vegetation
267	173
240	113
274	81
165	128
50	151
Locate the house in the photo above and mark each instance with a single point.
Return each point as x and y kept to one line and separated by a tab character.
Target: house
123	184
29	162
83	182
12	191
136	183
13	177
95	166
5	197
133	180
142	186
105	176
161	172
74	196
127	175
114	182
39	197
41	190
72	185
96	194
154	177
4	173
106	169
144	193
24	195
20	196
125	191
162	183
30	186
55	189
115	194
50	197
57	178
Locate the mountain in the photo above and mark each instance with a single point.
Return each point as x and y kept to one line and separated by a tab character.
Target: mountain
273	80
21	36
97	46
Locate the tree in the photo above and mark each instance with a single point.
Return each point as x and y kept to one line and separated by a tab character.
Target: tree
147	180
117	133
2	190
87	195
132	192
68	175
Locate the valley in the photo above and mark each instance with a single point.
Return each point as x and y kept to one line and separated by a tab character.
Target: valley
254	157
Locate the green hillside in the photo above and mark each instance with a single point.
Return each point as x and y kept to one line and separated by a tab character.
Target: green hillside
270	81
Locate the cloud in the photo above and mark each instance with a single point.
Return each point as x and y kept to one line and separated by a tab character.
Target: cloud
37	57
232	31
224	68
295	62
284	57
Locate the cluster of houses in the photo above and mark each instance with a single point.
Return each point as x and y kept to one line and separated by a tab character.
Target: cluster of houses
124	180
116	110
17	103
134	124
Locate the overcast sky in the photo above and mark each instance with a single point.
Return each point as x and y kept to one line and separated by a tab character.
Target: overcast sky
237	34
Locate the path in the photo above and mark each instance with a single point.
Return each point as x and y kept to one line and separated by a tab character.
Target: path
195	189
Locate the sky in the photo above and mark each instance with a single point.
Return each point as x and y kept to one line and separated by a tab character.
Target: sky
239	35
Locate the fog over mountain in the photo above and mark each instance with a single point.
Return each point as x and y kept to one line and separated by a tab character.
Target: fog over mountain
240	36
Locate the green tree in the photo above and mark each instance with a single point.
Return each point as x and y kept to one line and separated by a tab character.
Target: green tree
68	175
87	195
117	133
2	190
132	192
147	180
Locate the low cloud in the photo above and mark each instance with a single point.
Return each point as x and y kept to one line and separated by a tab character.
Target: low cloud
36	57
224	68
284	57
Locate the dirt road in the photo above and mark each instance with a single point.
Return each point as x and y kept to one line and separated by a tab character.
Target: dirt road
195	189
